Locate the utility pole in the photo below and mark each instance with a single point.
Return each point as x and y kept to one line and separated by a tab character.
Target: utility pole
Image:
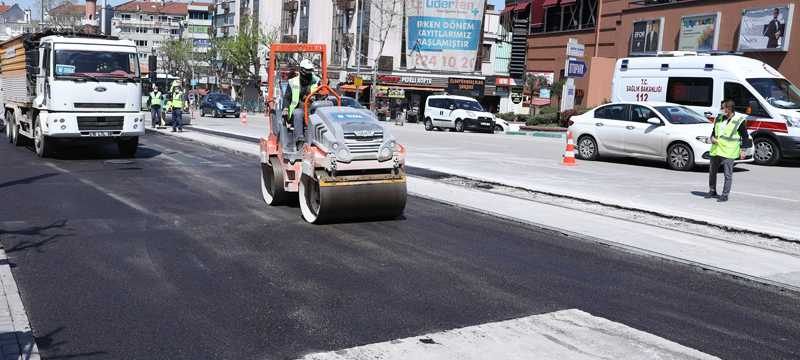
357	37
597	28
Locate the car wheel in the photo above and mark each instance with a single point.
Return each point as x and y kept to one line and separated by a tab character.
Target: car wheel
428	124
216	113
498	128
459	126
587	148
680	157
767	151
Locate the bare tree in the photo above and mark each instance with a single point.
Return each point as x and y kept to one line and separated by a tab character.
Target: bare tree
385	18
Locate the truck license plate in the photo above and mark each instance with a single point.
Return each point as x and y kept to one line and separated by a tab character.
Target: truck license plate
99	133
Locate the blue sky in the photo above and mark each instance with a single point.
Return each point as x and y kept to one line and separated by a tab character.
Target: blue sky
33	4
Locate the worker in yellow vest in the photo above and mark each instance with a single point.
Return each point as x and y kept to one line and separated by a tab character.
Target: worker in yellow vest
729	139
300	86
177	104
155	106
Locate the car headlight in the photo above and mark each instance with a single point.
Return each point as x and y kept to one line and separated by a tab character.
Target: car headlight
703	139
219	106
343	155
791	122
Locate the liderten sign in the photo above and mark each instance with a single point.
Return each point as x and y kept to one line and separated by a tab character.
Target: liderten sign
443	34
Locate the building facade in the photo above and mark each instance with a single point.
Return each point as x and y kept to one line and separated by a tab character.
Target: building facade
14	21
647	27
151	23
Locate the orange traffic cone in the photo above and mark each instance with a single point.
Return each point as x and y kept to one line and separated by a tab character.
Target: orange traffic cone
243	118
569	153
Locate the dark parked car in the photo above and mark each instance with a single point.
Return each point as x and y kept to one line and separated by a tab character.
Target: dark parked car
219	105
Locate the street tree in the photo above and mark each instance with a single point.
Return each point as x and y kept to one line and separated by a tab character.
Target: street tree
241	54
385	18
178	58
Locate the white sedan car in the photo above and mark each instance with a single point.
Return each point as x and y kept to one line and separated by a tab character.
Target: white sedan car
658	131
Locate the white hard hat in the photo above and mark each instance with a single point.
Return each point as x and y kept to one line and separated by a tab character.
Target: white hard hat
307	64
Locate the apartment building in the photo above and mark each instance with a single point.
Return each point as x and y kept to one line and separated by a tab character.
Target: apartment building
649	27
14	21
151	23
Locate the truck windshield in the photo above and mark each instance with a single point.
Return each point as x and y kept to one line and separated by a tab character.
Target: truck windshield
468	105
779	93
96	64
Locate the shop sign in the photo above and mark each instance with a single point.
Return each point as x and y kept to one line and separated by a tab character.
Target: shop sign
443	34
467	87
516	98
544	93
568	95
699	33
406	80
505	81
647	37
766	29
390	92
575	68
575	49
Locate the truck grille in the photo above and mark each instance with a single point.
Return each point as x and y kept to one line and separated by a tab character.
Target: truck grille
360	145
99	105
100	122
351	136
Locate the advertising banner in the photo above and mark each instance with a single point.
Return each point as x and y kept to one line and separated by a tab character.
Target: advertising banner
766	29
443	34
647	36
699	33
575	68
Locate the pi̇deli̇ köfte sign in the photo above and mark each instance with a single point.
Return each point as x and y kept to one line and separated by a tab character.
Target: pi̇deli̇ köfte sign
443	34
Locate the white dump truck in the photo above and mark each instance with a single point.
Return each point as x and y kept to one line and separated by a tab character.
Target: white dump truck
70	87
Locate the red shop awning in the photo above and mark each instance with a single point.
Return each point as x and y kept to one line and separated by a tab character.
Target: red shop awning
548	3
568	2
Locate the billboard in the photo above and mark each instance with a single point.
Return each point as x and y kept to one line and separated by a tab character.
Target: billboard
443	34
699	33
647	37
766	29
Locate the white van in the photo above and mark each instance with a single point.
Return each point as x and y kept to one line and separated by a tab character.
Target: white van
702	81
458	113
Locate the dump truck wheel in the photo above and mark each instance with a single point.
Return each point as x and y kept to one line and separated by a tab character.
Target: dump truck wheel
41	143
272	183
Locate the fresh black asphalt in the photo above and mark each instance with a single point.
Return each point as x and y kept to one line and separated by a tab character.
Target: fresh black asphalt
174	255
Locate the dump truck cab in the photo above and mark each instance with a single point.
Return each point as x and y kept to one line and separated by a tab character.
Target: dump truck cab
60	87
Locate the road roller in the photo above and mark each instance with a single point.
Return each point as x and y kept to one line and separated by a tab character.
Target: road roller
349	168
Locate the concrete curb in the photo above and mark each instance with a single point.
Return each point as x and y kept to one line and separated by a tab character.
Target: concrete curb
16	336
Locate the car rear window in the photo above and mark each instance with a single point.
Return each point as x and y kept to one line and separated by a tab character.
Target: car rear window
612	112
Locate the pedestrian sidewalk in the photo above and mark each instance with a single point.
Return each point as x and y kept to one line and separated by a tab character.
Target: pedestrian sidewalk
16	336
762	265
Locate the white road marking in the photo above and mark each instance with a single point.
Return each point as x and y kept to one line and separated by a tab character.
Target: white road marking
120	198
566	334
765	196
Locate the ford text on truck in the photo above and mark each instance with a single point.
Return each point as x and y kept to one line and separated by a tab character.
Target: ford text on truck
702	81
77	87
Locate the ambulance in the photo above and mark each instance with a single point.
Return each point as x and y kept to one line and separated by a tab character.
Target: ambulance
702	81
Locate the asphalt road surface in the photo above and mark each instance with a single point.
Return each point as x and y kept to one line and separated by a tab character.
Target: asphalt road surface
174	255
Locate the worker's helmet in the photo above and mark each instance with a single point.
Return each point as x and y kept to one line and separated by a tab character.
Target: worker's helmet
306	66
